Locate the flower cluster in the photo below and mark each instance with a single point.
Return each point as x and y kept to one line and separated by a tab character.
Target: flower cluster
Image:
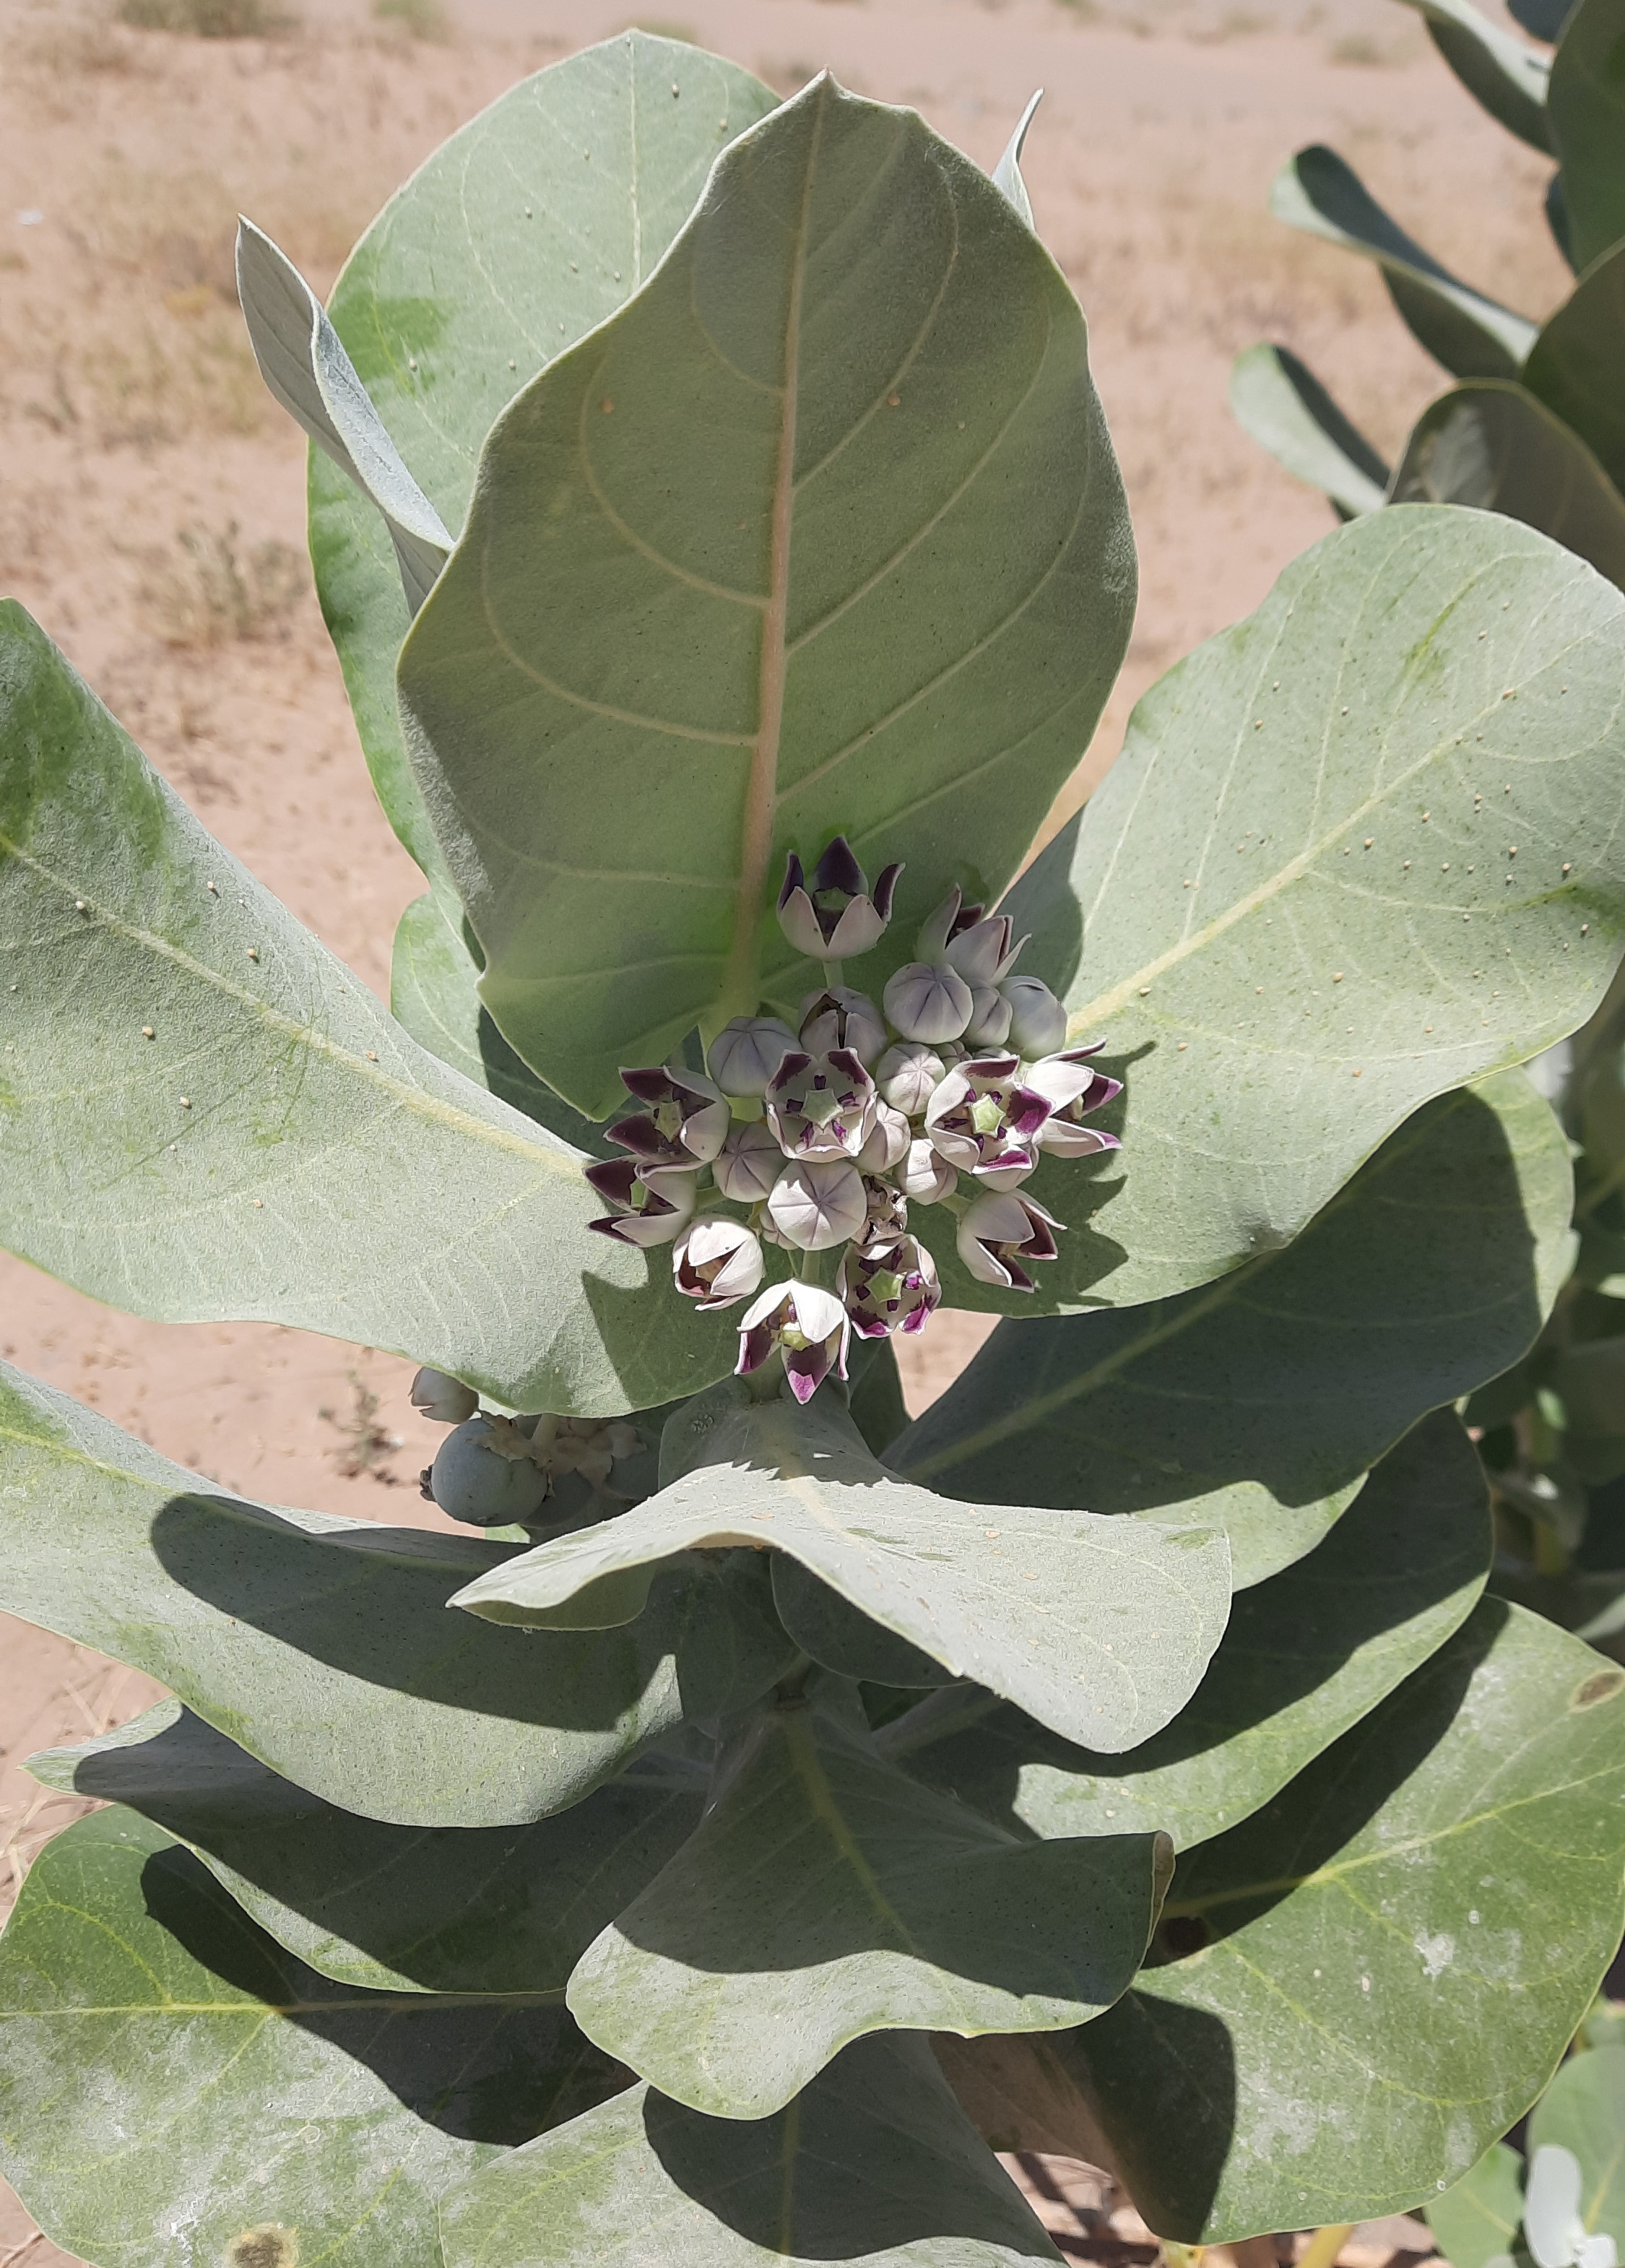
824	1133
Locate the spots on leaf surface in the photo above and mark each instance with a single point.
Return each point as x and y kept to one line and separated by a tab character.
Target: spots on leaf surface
1601	1686
270	2245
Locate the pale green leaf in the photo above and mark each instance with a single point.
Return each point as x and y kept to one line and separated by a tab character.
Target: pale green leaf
826	1896
279	1148
1258	1403
1099	1628
1007	173
1575	364
1301	912
322	1646
519	235
1364	1985
875	2163
842	1638
434	994
173	2084
1495	447
389	1908
822	532
1283	406
1587	104
1304	1657
1507	78
1473	335
302	361
1583	2110
1477	2220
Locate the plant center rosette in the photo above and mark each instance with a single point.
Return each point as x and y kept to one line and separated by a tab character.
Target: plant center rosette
816	1141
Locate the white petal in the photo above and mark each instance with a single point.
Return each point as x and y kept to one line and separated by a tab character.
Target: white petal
1552	2222
799	924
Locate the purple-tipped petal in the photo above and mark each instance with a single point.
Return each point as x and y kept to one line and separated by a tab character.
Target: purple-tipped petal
838	870
885	890
794	880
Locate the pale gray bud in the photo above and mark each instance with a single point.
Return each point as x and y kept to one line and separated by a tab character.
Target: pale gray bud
908	1076
745	1053
442	1399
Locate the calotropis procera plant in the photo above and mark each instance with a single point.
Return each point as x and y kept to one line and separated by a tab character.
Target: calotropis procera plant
728	563
1533	429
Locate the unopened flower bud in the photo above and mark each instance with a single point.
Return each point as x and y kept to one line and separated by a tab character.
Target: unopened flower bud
989	1018
1072	1091
442	1399
839	1019
984	1119
687	1121
650	1203
1037	1019
484	1473
927	1001
888	1144
982	950
748	1163
908	1075
925	1176
745	1053
1002	1231
817	1202
806	1325
716	1261
835	915
821	1106
889	1286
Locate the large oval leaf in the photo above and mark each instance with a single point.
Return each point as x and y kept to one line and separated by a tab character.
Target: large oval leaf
1296	883
1364	1985
1303	1658
826	1896
822	532
1587	106
322	1646
1575	364
1099	1628
1258	1403
390	1908
874	2163
535	222
176	2091
1497	447
203	1115
1473	335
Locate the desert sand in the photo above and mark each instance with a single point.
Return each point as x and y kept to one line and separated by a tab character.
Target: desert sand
152	495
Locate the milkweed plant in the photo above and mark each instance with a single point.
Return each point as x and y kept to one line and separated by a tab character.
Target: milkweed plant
765	1808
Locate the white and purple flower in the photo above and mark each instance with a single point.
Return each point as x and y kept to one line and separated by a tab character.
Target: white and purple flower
807	1326
836	915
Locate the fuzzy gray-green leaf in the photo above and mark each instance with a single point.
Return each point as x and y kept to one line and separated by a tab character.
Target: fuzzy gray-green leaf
1575	366
1100	1628
203	1115
1304	1657
821	532
1587	104
874	2162
523	231
1509	78
826	1896
1477	2220
173	2087
1357	851
1472	334
1419	1921
390	1908
1257	1404
1287	411
1498	447
322	1646
1583	2110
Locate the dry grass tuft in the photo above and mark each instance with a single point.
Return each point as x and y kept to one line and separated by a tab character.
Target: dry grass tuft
209	19
419	19
216	591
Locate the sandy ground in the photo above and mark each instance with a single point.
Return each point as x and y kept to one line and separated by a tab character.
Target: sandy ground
150	496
